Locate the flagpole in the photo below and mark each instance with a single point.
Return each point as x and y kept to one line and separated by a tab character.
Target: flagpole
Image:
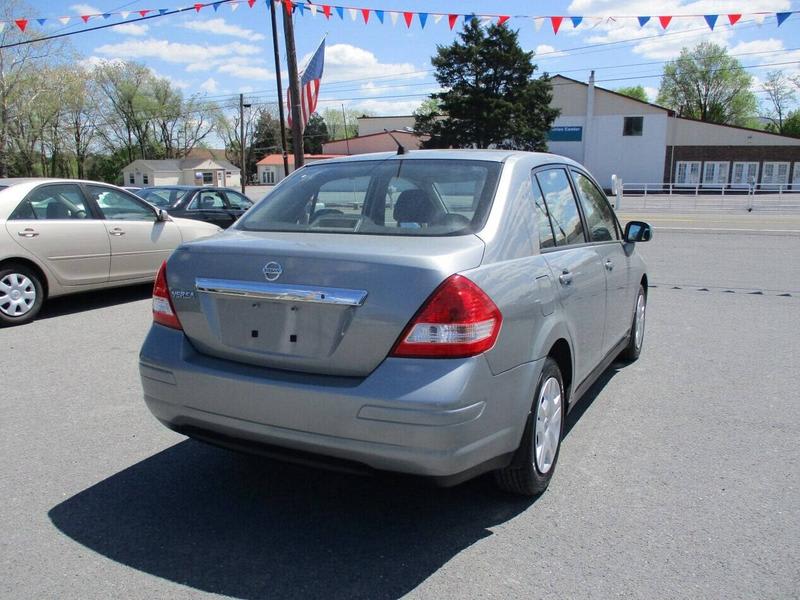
280	88
294	86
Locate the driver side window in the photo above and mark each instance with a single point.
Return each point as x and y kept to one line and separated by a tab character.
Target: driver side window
118	206
599	215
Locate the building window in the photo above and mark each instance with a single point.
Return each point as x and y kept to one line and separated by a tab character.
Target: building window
633	126
744	173
775	173
208	178
796	177
716	173
269	176
687	172
145	179
131	180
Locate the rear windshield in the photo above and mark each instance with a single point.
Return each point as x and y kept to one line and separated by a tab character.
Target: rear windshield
162	197
418	197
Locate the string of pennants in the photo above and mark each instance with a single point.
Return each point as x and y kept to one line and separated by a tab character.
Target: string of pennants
329	11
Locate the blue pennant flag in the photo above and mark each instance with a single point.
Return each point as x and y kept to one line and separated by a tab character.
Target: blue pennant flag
643	21
340	11
379	14
468	18
782	16
423	17
216	6
302	8
576	21
41	21
711	20
162	11
106	15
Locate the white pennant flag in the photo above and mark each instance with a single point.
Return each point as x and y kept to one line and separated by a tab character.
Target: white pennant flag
2	26
437	18
313	9
537	23
234	6
394	16
486	20
353	13
64	20
759	19
124	15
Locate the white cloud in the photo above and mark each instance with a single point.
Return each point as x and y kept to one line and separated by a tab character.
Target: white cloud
219	26
209	85
131	29
377	106
245	71
547	51
85	9
345	62
175	52
652	93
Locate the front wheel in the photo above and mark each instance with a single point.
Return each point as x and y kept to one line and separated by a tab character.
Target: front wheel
535	460
21	295
634	347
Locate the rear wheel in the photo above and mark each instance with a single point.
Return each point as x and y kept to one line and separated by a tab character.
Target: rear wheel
636	341
535	460
21	294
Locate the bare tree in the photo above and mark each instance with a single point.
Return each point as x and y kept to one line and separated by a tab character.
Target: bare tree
781	97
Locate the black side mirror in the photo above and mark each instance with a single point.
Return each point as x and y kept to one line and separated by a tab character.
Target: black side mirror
638	231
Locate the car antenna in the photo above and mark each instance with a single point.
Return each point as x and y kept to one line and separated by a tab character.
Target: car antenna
400	148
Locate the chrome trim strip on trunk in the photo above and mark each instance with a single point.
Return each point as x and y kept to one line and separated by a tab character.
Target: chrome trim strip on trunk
281	292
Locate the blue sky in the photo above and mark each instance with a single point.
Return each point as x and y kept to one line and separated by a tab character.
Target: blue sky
386	69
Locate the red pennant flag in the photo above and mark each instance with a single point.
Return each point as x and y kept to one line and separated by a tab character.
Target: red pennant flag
85	18
144	12
452	20
289	6
197	7
22	24
408	18
326	10
251	2
665	21
502	20
365	13
734	19
556	22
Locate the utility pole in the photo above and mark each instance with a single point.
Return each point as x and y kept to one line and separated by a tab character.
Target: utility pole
243	169
294	86
280	88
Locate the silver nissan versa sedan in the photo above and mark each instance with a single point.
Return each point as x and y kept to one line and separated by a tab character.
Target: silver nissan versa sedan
434	313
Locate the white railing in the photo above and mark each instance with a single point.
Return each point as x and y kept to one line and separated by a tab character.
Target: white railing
737	189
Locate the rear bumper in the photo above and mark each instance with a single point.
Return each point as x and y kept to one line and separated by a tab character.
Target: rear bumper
424	417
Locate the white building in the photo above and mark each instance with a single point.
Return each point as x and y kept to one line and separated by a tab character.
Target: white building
188	171
270	171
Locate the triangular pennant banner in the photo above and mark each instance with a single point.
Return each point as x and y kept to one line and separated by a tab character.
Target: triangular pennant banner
665	21
289	6
452	20
163	11
86	18
22	24
759	19
41	21
234	6
340	11
537	24
782	16
123	14
313	9
394	16
216	6
326	10
63	20
379	14
197	7
353	13
423	18
468	18
407	17
576	21
733	19
711	20
556	23
437	18
502	19
365	14
106	15
485	20
144	12
251	2
643	21
301	7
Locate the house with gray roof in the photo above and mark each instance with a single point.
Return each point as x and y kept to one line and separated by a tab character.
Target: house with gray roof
188	171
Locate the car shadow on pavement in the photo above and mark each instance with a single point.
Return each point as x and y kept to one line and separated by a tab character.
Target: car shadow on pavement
250	527
85	301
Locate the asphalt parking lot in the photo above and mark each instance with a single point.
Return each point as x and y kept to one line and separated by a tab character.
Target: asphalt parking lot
679	476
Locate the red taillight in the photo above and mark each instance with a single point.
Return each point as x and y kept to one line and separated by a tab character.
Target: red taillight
457	320
163	310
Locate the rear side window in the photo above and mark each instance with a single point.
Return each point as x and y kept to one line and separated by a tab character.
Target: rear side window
542	216
563	209
162	197
419	197
238	201
58	201
207	200
599	216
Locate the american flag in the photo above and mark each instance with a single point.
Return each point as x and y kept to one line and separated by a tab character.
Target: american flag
309	86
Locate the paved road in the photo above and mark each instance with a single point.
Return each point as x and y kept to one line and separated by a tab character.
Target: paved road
679	476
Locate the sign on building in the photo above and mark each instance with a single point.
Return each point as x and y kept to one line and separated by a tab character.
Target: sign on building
565	134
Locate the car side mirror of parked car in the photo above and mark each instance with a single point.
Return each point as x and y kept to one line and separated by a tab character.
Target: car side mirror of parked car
638	231
161	215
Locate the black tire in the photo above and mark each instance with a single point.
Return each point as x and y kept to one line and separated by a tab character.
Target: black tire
632	350
15	272
524	476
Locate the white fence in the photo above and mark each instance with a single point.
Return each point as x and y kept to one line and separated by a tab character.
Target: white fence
713	198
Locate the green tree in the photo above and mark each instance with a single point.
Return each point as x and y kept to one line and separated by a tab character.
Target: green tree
491	98
315	134
335	122
780	97
636	92
708	84
791	125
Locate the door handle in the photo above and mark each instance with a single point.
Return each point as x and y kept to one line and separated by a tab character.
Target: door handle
28	233
565	278
610	265
116	231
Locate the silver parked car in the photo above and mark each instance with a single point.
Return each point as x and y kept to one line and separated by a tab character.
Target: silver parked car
434	313
59	236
